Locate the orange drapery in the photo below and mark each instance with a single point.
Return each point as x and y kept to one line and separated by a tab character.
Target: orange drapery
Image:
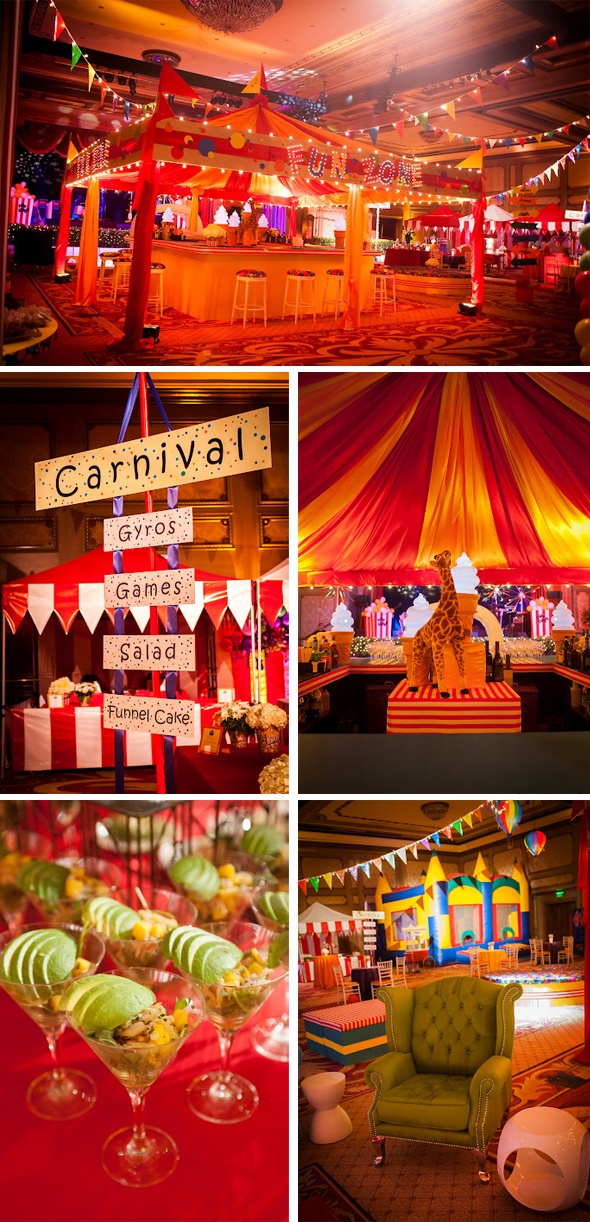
87	264
353	253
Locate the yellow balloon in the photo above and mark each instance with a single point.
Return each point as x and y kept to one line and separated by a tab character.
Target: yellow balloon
585	356
582	332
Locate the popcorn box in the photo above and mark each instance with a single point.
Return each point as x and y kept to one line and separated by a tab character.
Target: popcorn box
378	620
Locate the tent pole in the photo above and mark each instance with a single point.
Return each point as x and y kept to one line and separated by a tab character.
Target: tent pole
157	740
252	658
259	641
3	759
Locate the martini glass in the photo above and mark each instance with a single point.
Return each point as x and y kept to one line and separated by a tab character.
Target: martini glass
59	1094
105	876
221	1096
234	897
140	1155
132	955
271	1037
19	845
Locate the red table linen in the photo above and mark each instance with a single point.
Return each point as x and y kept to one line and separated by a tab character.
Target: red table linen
53	1171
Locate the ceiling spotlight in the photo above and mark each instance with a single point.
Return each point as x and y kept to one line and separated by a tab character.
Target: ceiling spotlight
132	87
121	80
108	76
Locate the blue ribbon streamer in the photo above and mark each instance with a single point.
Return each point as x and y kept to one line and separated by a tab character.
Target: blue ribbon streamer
172	614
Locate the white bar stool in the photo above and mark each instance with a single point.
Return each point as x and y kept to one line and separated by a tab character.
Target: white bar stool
250	279
382	279
156	290
120	280
334	275
304	293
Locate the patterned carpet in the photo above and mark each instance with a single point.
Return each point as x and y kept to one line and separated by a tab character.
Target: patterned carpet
429	1184
427	330
83	780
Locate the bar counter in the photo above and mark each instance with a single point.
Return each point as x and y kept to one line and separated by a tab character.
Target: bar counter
199	280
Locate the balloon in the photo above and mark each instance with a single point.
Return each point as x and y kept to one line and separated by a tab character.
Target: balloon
585	307
582	332
585	261
535	843
585	356
582	284
584	236
508	815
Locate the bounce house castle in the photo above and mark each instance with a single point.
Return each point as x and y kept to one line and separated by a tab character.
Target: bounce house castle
456	912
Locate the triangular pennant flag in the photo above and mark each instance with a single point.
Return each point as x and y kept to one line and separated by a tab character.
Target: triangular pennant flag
566	129
59	26
414	850
507	142
172	82
257	83
436	838
399	127
390	859
562	162
76	53
549	134
492	143
538	138
403	854
426	843
468	819
103	92
447	831
423	118
354	871
450	108
72	152
502	80
91	75
208	108
585	142
115	100
302	884
522	141
328	878
127	111
373	132
476	93
450	137
377	863
527	62
315	882
473	162
458	826
551	42
366	867
571	155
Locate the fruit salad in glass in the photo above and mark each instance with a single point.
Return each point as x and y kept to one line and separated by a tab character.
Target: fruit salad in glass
60	889
134	936
220	891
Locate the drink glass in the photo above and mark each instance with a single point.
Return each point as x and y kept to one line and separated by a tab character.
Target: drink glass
20	844
109	876
133	955
271	1037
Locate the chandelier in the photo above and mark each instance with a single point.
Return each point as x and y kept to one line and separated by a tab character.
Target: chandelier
232	16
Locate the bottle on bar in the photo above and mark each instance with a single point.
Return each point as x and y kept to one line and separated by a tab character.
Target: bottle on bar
586	653
489	664
575	659
508	671
567	651
497	666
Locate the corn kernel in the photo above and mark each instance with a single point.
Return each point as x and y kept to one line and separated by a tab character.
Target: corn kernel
256	969
219	912
232	977
80	966
73	888
160	1034
180	1019
227	871
157	931
254	954
139	931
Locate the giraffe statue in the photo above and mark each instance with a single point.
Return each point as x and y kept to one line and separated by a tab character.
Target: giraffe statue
443	628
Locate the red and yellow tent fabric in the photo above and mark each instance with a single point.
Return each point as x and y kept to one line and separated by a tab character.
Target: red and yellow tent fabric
396	467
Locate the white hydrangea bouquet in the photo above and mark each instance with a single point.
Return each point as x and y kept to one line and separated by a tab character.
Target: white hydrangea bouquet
233	716
84	692
58	690
274	777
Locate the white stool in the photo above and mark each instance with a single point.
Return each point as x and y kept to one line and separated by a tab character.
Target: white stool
324	1092
156	290
557	1180
249	280
120	280
380	296
334	275
303	300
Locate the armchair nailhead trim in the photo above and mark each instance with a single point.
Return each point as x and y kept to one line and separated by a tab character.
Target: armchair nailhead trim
385	997
377	1081
484	1082
511	994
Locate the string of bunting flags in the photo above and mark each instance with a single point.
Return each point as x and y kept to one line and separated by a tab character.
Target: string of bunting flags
506	813
537	179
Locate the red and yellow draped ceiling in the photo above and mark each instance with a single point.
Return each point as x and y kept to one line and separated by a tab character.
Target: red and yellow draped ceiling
396	467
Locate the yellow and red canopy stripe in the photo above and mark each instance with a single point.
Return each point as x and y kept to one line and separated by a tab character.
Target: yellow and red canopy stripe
395	467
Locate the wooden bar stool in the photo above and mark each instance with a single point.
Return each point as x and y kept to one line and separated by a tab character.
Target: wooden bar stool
334	275
250	278
383	278
156	290
304	293
120	280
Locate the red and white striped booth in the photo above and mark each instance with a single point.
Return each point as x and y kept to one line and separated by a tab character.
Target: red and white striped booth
319	923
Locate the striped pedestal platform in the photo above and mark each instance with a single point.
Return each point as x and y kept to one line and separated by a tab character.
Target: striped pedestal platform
347	1034
493	709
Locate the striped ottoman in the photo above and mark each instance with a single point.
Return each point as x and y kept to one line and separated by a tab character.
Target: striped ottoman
493	709
347	1034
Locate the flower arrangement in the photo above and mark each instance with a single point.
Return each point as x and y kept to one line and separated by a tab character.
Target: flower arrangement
274	778
84	691
61	687
233	717
266	717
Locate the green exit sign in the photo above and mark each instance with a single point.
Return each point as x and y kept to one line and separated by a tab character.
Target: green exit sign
559	894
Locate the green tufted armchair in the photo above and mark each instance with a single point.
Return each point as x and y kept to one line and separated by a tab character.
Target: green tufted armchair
447	1078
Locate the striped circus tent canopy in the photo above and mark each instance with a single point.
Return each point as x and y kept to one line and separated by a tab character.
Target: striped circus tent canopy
394	468
318	918
77	587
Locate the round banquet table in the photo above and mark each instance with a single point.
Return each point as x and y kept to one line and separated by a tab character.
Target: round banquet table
554	949
54	1172
12	353
323	971
395	257
229	772
364	977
